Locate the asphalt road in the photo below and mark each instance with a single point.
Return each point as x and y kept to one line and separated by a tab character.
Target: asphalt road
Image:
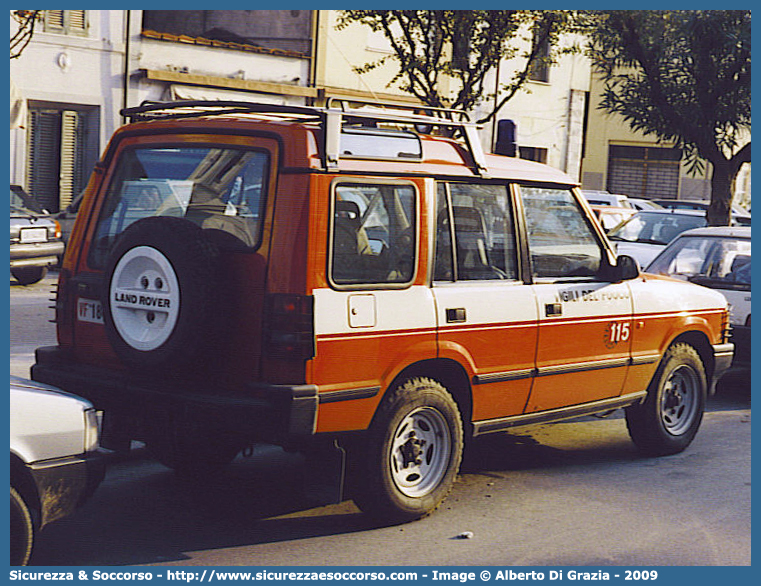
567	494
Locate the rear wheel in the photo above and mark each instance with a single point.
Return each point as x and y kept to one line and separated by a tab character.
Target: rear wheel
412	455
22	530
666	423
193	457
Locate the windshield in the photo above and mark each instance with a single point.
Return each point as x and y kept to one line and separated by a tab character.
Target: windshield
23	204
707	260
218	188
655	228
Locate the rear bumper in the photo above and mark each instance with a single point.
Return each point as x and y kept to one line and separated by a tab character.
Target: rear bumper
135	405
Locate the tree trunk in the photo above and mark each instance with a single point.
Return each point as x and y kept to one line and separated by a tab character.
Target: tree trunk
722	181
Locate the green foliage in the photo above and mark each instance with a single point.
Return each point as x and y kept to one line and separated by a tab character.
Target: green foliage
463	45
683	76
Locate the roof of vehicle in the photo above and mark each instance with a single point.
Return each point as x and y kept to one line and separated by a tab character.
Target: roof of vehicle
719	231
697	204
606	198
315	135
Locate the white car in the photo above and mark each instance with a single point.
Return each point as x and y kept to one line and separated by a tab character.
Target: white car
639	204
718	258
604	198
55	462
646	233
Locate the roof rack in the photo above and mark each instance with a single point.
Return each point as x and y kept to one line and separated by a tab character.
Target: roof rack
337	114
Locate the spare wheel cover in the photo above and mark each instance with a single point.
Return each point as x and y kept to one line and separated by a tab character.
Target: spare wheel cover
144	298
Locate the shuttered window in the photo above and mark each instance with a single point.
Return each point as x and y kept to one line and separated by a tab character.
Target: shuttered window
649	172
65	22
55	156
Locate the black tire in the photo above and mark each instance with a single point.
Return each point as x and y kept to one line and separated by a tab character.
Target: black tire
193	458
667	421
402	474
185	261
29	275
22	530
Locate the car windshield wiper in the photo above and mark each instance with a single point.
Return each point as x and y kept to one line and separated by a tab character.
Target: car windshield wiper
649	241
717	282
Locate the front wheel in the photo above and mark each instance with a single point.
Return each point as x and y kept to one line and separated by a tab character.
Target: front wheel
412	455
669	418
29	275
22	530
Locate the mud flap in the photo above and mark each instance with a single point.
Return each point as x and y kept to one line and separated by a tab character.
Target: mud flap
324	474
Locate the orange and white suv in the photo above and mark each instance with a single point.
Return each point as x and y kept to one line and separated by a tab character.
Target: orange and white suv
351	278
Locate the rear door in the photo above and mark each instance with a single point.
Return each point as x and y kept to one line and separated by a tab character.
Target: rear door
486	314
219	183
584	334
373	311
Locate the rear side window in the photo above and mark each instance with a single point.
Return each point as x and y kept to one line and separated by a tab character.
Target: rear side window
218	188
373	234
484	234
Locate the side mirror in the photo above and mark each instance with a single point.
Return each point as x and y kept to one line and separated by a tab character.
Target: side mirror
626	268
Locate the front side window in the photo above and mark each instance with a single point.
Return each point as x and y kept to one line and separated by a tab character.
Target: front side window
217	188
373	236
561	241
483	233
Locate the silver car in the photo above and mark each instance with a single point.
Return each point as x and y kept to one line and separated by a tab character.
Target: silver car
35	238
55	461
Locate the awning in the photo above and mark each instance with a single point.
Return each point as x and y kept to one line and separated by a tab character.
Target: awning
184	92
18	107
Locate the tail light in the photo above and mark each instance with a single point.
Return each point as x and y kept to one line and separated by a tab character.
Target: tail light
289	326
57	233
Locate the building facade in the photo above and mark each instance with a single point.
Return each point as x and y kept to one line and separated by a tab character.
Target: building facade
70	78
620	160
82	67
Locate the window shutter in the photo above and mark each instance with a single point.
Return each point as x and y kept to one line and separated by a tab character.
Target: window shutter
43	156
71	154
54	19
77	21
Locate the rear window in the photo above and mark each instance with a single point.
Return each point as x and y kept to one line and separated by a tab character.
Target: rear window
218	188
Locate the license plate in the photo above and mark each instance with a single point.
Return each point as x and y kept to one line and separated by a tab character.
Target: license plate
90	311
29	235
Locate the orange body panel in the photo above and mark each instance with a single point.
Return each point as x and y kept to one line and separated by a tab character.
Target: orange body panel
483	351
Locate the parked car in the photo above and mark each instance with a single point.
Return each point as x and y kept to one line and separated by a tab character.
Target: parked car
646	233
640	203
35	238
605	198
611	216
55	461
719	258
338	281
740	216
68	216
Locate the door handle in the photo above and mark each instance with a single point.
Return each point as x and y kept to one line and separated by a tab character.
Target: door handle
456	315
551	309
